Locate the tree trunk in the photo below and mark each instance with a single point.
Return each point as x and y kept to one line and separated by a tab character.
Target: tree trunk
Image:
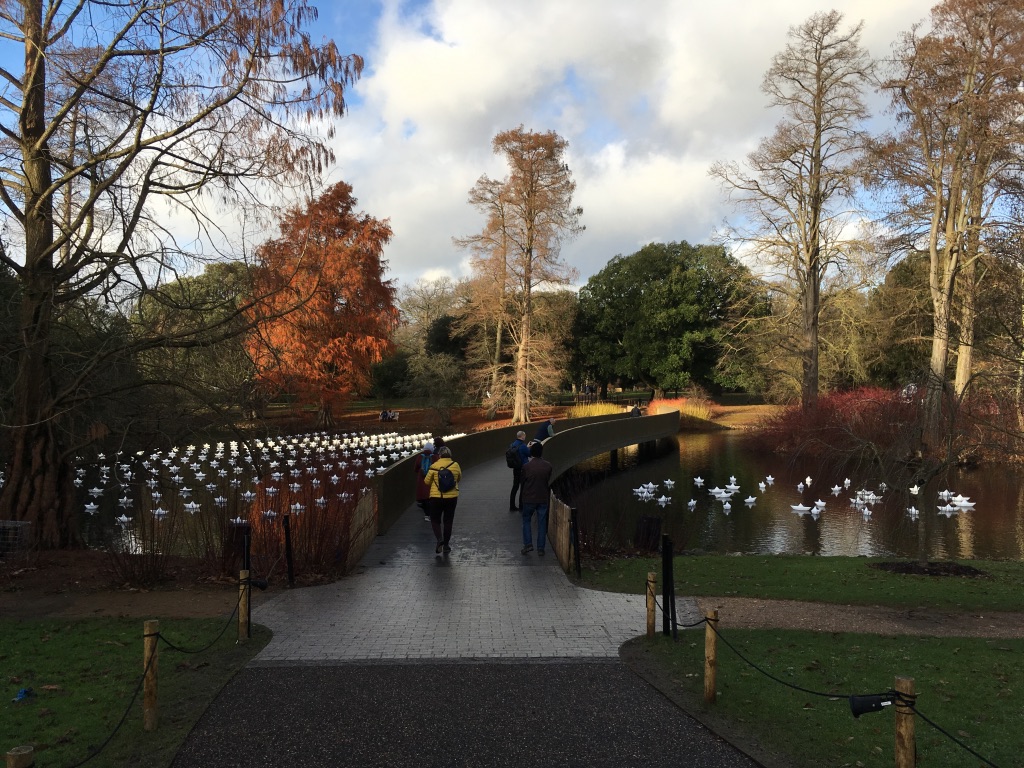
496	363
968	285
935	383
38	487
812	304
521	406
1019	389
324	415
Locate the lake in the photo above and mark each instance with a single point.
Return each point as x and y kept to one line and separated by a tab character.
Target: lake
611	508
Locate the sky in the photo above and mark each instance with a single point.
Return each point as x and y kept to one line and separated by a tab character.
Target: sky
647	94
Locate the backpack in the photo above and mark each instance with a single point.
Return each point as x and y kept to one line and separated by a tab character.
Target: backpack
512	457
445	480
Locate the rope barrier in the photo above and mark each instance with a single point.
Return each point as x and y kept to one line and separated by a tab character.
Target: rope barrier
138	685
209	645
896	696
124	716
679	626
770	676
947	734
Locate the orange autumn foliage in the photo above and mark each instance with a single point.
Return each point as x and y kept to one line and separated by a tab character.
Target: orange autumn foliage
328	312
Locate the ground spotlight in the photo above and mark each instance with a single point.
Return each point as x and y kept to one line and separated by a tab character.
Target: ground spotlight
873	703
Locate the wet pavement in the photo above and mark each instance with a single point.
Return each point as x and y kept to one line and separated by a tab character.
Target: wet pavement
480	657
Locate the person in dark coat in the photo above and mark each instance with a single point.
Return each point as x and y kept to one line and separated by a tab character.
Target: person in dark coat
545	430
536	498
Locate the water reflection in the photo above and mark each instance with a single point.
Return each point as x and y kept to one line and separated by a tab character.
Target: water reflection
993	529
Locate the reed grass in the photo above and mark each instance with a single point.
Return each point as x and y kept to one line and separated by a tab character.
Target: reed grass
592	409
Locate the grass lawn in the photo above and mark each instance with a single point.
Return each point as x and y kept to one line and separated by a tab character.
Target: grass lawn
83	674
972	688
842	580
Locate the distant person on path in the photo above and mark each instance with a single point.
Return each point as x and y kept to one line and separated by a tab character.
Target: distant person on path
517	454
423	461
536	497
546	430
443	478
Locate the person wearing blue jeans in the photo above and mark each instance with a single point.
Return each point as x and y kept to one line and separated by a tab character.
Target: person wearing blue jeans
536	479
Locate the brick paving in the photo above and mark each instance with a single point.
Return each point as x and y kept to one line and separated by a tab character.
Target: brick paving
483	657
483	600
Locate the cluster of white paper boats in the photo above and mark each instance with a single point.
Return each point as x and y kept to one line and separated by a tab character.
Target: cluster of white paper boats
953	503
329	464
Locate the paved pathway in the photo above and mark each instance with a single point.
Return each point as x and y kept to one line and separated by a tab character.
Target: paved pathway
479	657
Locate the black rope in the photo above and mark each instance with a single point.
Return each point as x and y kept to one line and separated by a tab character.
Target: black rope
138	687
909	703
770	676
209	645
271	571
900	698
142	679
678	626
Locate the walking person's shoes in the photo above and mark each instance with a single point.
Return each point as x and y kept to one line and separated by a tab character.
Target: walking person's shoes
447	547
540	552
439	547
526	550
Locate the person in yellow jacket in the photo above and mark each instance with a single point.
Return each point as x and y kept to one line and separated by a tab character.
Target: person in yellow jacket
443	479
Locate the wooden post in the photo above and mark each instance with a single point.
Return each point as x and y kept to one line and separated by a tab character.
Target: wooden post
651	586
710	657
21	757
574	536
243	606
906	746
150	659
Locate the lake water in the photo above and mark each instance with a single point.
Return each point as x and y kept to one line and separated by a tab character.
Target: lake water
610	509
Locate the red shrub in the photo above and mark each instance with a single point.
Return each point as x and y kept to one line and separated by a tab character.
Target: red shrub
868	421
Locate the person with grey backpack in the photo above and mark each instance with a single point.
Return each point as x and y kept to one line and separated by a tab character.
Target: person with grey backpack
517	454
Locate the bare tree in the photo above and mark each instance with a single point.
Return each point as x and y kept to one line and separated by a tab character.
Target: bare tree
130	121
956	93
528	216
490	285
800	180
423	303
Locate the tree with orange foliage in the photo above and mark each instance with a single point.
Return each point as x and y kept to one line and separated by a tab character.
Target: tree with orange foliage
121	121
330	313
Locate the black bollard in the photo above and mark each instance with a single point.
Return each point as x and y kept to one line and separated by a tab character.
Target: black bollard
667	584
288	550
246	564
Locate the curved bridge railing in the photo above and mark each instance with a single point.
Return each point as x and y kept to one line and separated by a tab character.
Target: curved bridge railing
571	446
576	440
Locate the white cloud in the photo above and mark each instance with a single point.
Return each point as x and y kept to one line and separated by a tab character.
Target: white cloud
648	96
